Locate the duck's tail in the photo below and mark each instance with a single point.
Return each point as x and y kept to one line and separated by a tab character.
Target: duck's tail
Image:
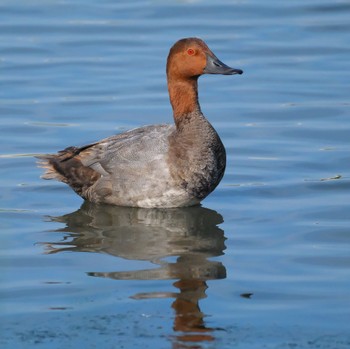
66	166
52	163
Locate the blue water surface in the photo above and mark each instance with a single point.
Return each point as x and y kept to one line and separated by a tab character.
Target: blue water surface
264	263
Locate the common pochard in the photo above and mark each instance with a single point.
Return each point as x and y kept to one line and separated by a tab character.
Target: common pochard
159	165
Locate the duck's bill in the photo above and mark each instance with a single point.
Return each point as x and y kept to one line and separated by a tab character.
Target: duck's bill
215	66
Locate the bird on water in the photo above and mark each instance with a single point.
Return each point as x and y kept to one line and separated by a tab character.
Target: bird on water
158	165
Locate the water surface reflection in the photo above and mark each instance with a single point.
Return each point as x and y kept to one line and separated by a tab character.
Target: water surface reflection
190	234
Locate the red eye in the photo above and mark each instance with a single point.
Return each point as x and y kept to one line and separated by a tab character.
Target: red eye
190	51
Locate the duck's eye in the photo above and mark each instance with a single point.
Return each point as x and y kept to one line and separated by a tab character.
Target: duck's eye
191	51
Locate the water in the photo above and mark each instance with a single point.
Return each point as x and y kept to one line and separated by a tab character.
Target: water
264	263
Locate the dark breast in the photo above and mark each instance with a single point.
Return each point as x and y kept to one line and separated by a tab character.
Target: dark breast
205	180
197	158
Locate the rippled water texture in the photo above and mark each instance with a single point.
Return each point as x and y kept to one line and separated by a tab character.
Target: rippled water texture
264	263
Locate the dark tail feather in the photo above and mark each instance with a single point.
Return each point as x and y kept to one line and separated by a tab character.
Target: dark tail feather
66	167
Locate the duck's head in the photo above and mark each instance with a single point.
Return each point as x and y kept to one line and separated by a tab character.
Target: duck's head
191	57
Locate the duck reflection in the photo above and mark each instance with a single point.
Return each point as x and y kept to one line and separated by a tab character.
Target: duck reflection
189	234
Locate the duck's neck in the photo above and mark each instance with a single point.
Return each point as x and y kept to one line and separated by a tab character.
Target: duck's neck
183	98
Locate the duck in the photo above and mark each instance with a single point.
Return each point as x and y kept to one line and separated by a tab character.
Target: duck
154	166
